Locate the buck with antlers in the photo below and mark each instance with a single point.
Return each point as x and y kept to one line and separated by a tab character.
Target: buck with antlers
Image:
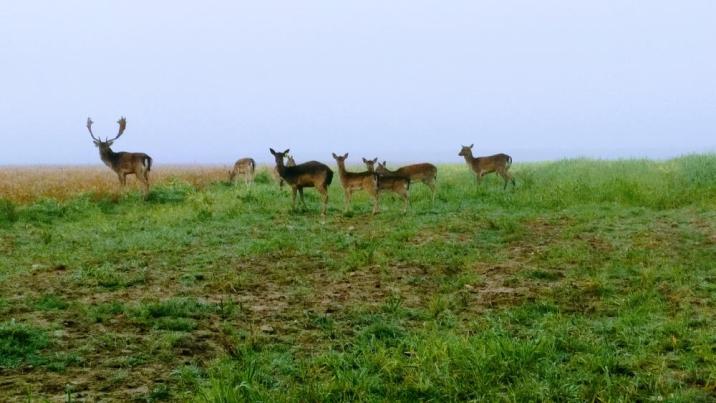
305	175
481	166
391	182
244	167
353	181
424	172
123	163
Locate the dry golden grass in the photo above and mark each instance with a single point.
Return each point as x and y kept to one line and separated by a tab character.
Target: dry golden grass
27	184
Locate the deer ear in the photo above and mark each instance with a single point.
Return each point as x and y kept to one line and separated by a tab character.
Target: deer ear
272	151
365	160
345	156
375	160
287	150
471	145
334	155
385	163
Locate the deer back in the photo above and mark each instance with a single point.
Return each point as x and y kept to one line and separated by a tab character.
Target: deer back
308	174
418	172
491	163
129	163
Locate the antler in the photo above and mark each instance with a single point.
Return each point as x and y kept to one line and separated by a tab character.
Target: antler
122	125
89	127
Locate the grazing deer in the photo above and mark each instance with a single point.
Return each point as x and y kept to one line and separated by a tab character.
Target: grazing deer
352	181
123	163
244	167
482	166
424	172
290	162
306	175
389	181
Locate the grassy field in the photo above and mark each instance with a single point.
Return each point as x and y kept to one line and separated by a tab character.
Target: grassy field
590	281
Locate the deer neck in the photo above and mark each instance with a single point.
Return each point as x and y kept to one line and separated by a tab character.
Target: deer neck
469	158
342	168
108	156
280	168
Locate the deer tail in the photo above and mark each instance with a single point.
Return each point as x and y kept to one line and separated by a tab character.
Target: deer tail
509	162
329	178
147	162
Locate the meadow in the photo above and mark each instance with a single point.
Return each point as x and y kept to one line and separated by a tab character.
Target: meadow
589	281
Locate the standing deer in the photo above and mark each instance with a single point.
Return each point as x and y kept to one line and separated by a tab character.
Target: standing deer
123	163
290	162
499	163
352	181
244	167
392	182
309	174
424	172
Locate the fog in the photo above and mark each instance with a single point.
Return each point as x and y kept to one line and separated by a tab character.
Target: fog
212	81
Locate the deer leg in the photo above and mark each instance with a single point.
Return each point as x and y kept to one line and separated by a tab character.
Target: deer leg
293	197
142	176
507	177
346	200
404	194
303	202
324	197
431	185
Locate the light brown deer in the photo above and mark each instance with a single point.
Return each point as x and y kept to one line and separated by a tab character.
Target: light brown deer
123	163
309	174
424	172
353	181
290	162
246	167
391	182
481	166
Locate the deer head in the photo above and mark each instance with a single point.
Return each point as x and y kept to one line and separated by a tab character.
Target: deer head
340	158
466	151
370	164
279	156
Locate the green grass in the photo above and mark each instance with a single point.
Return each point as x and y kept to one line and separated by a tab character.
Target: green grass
590	281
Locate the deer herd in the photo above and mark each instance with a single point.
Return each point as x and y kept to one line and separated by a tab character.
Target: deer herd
376	179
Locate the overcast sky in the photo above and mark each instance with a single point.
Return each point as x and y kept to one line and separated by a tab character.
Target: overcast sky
211	81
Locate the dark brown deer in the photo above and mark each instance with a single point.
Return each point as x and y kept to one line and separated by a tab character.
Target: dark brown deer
391	182
481	166
309	174
424	172
123	163
245	167
353	181
290	162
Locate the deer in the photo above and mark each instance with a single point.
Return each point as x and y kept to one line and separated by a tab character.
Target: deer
308	174
244	167
481	166
123	163
290	162
423	172
391	182
353	181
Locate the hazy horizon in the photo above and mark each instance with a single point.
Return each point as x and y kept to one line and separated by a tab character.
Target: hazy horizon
207	83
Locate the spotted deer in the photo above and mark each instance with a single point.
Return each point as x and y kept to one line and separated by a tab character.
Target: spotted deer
390	182
481	166
424	172
353	181
245	167
305	175
123	163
